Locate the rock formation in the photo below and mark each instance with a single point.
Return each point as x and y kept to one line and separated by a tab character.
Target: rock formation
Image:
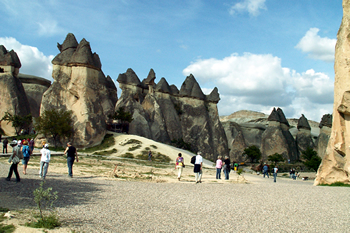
80	86
163	113
12	95
325	133
304	139
277	138
335	166
34	88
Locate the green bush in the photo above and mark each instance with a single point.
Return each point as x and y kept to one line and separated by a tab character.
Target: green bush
128	155
312	160
338	184
134	147
49	222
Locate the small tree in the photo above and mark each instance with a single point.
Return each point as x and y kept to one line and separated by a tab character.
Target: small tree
122	115
275	158
312	160
57	124
253	153
18	122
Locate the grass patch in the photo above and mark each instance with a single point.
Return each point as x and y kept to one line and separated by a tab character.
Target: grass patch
106	142
106	152
49	222
147	148
154	147
134	147
4	210
7	228
128	155
336	184
132	141
156	158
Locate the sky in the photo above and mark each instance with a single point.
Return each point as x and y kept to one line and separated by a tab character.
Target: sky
260	54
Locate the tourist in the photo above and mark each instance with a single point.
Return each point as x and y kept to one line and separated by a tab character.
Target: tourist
198	168
218	167
235	167
179	165
71	153
44	161
15	159
26	156
227	167
150	156
4	145
266	170
275	170
31	145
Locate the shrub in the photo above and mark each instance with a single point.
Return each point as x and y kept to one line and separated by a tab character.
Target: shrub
253	153
134	147
311	159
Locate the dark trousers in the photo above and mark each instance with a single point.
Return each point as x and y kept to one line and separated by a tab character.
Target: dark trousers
3	149
13	168
70	162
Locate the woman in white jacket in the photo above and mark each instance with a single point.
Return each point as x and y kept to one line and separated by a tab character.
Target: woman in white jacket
44	161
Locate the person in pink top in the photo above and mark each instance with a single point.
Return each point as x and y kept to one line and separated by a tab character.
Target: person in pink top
218	167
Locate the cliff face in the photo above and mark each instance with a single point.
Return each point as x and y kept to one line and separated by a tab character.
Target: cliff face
80	86
12	95
164	113
335	165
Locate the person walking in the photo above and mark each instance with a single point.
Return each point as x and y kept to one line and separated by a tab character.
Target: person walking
179	165
227	168
266	170
4	145
31	145
218	167
26	156
150	156
44	161
275	170
198	168
14	160
71	153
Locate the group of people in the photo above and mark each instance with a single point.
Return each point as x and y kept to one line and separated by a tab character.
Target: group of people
224	165
22	150
265	170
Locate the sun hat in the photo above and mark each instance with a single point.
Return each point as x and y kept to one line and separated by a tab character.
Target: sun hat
46	145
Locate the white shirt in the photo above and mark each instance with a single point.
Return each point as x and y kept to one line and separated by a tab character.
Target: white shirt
199	159
45	155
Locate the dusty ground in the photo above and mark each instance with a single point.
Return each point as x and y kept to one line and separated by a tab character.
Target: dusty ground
94	200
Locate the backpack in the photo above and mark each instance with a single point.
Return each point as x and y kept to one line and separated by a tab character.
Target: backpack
193	159
26	151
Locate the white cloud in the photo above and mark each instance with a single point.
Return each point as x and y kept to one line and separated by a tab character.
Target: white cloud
317	47
253	7
33	61
259	82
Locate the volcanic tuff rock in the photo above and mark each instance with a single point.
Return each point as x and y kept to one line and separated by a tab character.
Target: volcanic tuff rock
80	86
335	166
325	133
12	95
277	138
34	88
162	113
304	139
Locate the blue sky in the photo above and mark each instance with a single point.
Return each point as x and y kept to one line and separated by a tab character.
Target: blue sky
259	53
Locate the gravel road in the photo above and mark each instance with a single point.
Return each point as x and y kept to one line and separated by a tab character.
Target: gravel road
89	204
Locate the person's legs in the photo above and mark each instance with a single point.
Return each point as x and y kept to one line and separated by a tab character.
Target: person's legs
10	172
196	175
217	173
264	173
200	176
274	177
15	169
41	169
45	167
70	161
267	173
179	169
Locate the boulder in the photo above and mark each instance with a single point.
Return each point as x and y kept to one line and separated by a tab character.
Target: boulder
335	165
12	95
80	86
325	133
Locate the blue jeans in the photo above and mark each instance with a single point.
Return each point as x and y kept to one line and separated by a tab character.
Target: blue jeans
70	161
266	173
274	177
218	173
227	174
43	169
